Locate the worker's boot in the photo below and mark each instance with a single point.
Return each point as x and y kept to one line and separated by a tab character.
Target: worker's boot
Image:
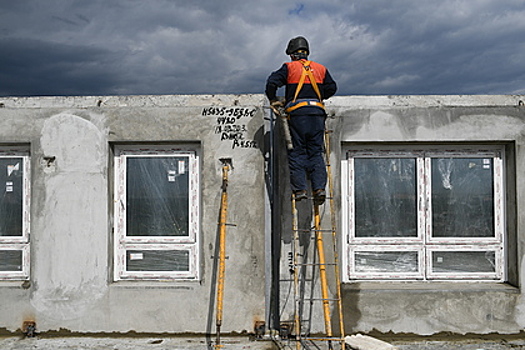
300	195
319	196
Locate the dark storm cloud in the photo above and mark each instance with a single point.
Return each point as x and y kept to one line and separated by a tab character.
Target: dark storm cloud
32	67
59	47
443	47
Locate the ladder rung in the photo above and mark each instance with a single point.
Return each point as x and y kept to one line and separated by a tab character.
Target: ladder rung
312	230
320	338
312	198
325	264
321	299
307	280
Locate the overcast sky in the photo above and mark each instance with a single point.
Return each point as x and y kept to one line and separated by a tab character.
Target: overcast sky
131	47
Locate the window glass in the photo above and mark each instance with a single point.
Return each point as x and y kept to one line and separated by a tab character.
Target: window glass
11	260
464	262
385	197
386	261
158	260
157	192
462	197
11	202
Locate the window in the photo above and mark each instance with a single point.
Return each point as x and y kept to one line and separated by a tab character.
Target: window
14	213
422	213
156	213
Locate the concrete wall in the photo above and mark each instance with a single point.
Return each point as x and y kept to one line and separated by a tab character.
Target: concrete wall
71	214
71	283
428	308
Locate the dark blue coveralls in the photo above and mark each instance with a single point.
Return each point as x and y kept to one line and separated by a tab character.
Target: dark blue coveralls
307	126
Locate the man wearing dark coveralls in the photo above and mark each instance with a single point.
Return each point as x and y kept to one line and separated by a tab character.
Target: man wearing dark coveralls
304	105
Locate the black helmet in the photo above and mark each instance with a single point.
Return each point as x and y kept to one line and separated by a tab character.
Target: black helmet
298	43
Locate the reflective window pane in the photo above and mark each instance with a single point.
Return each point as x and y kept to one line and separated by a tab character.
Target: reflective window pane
157	196
462	197
158	260
385	197
464	262
11	180
10	260
399	262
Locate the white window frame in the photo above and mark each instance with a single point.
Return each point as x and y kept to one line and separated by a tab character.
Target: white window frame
424	242
353	249
161	275
499	258
23	274
20	243
123	243
350	190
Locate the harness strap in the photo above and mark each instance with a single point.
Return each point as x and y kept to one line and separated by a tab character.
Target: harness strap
304	103
307	72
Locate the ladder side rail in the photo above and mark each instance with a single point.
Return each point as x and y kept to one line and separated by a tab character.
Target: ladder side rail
334	238
312	285
297	320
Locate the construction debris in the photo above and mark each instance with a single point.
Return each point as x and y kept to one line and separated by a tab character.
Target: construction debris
365	342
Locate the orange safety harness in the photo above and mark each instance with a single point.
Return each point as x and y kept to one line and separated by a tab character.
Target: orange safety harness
301	103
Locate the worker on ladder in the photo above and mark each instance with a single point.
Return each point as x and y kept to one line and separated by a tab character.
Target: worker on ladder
307	83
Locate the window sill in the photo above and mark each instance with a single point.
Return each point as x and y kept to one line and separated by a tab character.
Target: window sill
425	287
156	284
15	284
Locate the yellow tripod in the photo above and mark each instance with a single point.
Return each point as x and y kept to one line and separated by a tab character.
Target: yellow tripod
226	164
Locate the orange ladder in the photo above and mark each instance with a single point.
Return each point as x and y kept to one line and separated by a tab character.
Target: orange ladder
323	263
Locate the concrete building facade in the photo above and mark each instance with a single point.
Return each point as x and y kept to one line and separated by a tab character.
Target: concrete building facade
110	211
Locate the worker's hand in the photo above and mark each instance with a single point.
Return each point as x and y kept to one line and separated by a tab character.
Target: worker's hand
277	104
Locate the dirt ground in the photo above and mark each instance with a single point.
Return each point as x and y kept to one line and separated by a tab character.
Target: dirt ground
248	343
